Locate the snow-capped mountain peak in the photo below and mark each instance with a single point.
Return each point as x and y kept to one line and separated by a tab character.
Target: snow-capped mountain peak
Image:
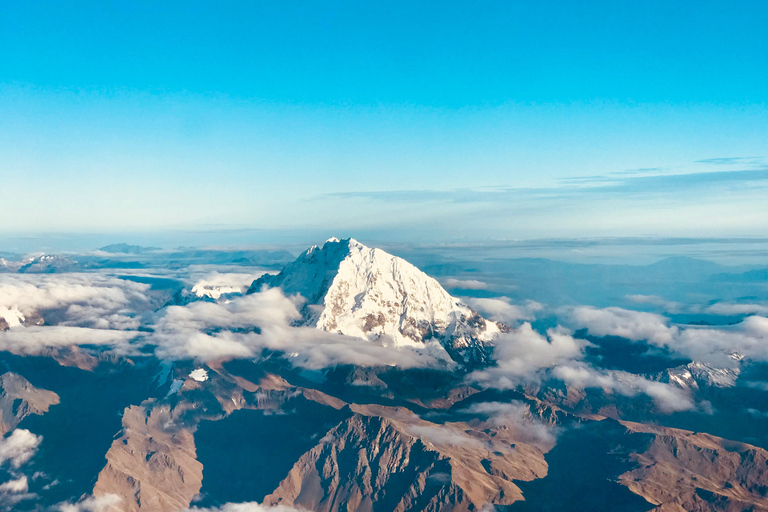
368	293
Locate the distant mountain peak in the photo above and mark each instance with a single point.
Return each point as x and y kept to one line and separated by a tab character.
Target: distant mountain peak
124	248
366	292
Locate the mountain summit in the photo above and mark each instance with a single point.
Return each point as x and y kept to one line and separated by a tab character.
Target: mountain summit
368	293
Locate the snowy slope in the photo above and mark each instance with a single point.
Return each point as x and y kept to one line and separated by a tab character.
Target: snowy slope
695	375
368	293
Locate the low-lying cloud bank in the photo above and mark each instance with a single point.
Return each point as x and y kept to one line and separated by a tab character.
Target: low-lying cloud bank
112	503
246	325
118	316
716	309
712	345
526	357
246	507
501	309
115	314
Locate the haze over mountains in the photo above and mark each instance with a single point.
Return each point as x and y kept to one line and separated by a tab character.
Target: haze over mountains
349	380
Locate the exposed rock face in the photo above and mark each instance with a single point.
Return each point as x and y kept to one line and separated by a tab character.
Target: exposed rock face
182	297
387	459
359	291
682	470
152	467
19	399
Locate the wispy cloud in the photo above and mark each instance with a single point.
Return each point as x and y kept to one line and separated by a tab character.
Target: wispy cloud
501	309
580	187
245	507
465	284
738	160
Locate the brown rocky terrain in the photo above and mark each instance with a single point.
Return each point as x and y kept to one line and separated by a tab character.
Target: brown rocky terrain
685	471
19	399
153	465
389	456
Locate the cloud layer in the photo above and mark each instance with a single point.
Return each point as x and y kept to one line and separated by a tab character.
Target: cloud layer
712	345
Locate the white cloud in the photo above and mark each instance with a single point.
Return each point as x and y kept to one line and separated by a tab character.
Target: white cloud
18	447
625	323
246	507
20	485
525	356
501	309
203	331
100	295
33	340
522	353
443	435
726	309
468	284
516	416
86	309
712	345
106	503
216	284
582	376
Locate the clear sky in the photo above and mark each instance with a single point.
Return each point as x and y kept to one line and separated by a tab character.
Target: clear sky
440	119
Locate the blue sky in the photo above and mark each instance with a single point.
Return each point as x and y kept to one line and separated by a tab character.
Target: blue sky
444	119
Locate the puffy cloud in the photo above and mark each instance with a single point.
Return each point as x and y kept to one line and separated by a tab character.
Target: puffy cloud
93	295
625	323
712	345
86	309
34	340
216	284
502	310
14	491
19	485
522	353
246	325
517	417
246	507
655	300
582	376
468	284
715	345
525	356
18	447
105	503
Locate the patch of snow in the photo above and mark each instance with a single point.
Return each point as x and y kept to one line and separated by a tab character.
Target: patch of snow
695	375
216	284
200	375
12	316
